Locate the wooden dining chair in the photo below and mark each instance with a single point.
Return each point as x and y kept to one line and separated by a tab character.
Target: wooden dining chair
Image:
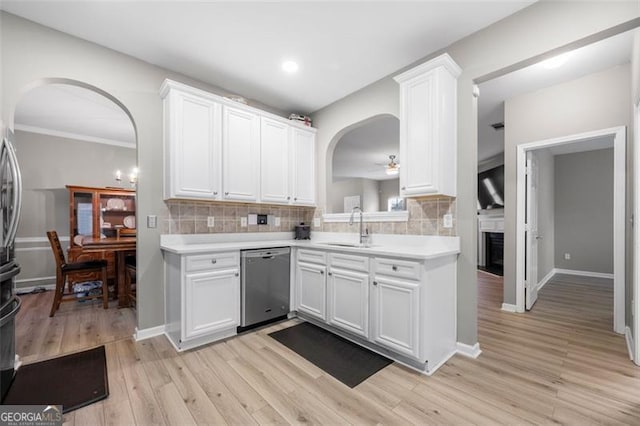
63	269
130	281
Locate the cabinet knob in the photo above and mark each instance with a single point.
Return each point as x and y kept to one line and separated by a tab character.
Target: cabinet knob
295	199
321	272
237	274
403	188
375	283
215	192
288	198
394	267
226	193
214	261
329	273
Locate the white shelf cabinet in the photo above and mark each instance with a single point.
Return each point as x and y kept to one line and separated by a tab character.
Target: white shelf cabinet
303	148
348	293
428	144
394	307
202	298
194	129
311	288
274	162
240	154
217	149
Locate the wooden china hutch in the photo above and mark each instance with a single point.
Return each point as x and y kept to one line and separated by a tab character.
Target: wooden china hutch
99	213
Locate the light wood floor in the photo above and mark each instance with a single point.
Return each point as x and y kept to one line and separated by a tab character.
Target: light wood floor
560	364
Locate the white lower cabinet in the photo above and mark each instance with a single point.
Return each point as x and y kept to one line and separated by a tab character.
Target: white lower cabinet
311	288
395	308
348	293
211	302
202	297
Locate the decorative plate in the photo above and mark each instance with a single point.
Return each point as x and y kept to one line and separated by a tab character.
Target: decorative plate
115	204
129	222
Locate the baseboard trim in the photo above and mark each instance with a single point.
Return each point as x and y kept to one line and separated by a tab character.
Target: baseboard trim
148	333
583	273
33	287
508	307
629	338
468	350
546	278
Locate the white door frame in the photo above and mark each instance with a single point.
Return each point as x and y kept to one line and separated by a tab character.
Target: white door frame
635	306
619	183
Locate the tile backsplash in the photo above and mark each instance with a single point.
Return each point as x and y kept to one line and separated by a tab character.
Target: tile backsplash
190	217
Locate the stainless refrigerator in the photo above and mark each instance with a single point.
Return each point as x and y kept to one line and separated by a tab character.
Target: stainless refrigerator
10	203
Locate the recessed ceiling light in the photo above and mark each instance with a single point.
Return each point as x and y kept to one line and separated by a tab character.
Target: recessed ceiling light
556	61
289	66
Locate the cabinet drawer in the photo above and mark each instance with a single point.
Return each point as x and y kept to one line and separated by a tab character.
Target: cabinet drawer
205	262
312	256
398	268
348	261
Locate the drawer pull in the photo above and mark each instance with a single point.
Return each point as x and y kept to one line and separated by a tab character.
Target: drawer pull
329	273
215	192
321	272
375	283
394	267
214	261
237	274
226	193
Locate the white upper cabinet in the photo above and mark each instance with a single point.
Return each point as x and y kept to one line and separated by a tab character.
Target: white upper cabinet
240	154
428	143
193	126
217	149
303	144
274	162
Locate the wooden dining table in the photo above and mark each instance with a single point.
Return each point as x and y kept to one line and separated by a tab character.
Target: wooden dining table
121	247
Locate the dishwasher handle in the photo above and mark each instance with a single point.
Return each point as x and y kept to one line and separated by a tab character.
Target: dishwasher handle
266	253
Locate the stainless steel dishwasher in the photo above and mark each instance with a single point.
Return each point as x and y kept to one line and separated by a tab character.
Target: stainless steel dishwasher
265	280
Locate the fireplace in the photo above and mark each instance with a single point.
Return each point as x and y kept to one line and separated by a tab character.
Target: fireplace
494	249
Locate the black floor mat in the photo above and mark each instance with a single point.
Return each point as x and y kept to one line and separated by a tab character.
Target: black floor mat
72	381
344	360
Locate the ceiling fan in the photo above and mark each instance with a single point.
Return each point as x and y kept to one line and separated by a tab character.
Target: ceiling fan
392	167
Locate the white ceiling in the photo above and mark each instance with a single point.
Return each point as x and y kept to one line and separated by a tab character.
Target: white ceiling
364	151
74	112
586	60
341	46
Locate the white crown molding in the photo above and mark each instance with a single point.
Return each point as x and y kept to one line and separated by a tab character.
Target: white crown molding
443	60
75	136
402	216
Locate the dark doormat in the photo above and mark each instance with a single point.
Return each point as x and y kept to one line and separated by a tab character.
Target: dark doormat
344	360
72	381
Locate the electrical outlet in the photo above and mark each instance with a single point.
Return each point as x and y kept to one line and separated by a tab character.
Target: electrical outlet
448	221
152	221
243	222
277	221
316	222
567	256
211	221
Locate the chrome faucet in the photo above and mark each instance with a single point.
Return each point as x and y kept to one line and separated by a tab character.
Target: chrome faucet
353	212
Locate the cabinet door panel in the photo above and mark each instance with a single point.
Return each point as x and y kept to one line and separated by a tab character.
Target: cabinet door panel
212	302
241	154
418	139
395	309
195	147
304	175
311	290
349	300
274	161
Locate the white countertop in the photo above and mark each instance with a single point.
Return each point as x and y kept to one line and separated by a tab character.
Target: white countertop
406	246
